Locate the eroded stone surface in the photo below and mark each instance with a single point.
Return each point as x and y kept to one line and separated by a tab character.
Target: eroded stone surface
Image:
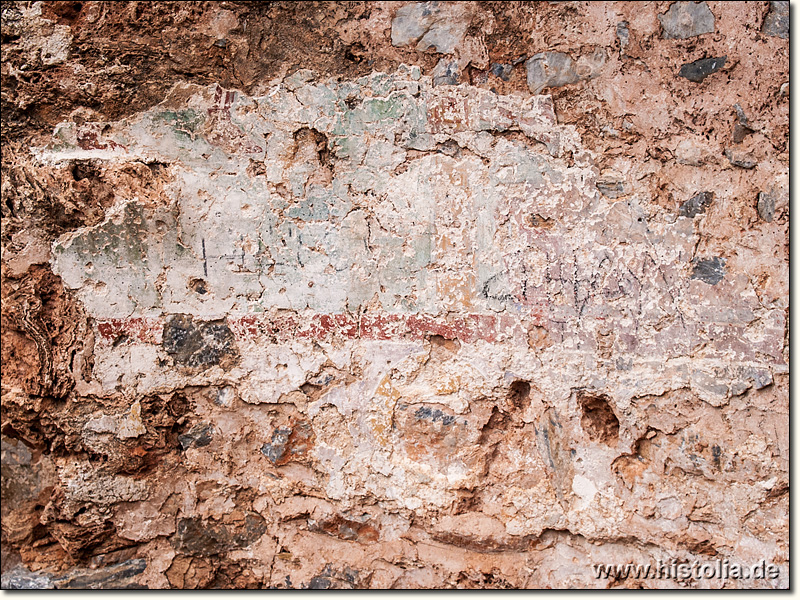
367	248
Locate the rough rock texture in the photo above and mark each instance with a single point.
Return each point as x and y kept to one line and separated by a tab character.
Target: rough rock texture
687	19
329	295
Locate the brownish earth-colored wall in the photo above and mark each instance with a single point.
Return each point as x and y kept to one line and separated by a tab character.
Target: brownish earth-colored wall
390	294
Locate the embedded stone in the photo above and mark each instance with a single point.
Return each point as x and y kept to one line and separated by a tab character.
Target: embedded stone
776	23
698	70
115	577
208	537
198	436
709	270
696	205
611	184
502	71
446	73
623	34
557	69
21	578
550	69
741	159
200	344
275	449
766	206
441	25
686	19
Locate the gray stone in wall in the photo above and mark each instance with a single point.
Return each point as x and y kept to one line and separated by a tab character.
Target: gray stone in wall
502	71
275	449
710	270
446	72
741	159
611	185
198	436
113	577
766	206
21	578
686	19
696	205
197	344
438	24
550	69
557	69
623	34
409	24
698	70
776	22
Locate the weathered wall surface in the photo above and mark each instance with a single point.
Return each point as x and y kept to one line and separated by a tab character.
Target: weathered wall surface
393	294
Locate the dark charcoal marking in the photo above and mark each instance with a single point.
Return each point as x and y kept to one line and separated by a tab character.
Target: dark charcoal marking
716	452
434	414
197	345
700	69
491	289
696	205
710	270
205	259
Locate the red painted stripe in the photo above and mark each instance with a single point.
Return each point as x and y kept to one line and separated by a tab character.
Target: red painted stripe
140	329
285	326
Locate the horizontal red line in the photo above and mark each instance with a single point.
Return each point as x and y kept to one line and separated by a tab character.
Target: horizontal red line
285	326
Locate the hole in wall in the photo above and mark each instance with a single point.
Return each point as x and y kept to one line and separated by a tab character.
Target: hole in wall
198	286
598	419
520	395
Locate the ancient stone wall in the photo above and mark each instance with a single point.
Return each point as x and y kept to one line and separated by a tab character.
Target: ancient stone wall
394	294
